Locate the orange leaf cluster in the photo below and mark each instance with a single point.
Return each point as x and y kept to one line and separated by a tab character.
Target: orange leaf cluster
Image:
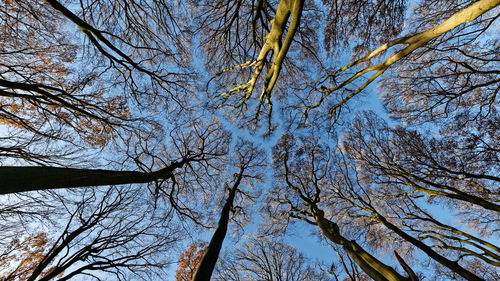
22	257
189	260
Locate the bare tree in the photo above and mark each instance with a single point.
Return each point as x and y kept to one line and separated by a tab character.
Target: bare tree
43	100
126	97
341	78
279	40
196	147
250	162
114	231
460	169
328	186
264	259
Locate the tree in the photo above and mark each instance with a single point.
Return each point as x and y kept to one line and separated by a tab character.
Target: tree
303	173
426	168
108	104
52	97
340	78
199	145
402	156
269	55
263	259
250	161
45	100
454	75
372	203
114	231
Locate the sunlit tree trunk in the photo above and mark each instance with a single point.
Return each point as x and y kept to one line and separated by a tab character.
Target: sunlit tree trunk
368	263
412	43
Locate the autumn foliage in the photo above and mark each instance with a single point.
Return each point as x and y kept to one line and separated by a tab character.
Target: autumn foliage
189	260
22	257
40	92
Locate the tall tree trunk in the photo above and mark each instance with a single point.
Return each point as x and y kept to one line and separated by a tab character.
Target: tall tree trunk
368	263
21	179
207	263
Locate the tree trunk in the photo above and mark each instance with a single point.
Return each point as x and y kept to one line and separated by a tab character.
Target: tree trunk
21	179
368	263
207	263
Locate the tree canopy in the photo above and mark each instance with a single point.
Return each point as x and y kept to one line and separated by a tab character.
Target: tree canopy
132	130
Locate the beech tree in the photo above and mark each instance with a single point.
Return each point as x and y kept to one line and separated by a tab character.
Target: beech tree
250	162
58	92
100	232
453	30
327	191
45	100
128	126
302	170
340	79
424	164
263	259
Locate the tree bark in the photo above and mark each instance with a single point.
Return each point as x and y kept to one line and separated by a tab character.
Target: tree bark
21	179
368	263
207	263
